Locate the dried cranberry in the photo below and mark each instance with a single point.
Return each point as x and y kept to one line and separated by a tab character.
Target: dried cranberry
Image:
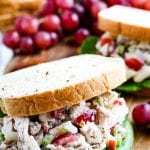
85	117
104	41
118	102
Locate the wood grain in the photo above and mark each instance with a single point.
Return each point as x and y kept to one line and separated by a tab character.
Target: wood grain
142	138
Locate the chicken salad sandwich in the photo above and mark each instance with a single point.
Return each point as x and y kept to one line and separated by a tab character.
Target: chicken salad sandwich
65	105
127	35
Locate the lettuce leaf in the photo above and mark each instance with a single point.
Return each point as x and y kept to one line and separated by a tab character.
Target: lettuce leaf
146	83
128	141
89	45
2	114
131	86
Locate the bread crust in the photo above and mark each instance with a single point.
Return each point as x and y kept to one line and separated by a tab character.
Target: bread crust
53	100
41	101
127	28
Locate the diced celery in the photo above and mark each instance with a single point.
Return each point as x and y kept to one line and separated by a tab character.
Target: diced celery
121	49
46	140
67	127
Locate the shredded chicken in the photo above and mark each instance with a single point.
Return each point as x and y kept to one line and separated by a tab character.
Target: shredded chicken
91	133
25	141
7	129
79	109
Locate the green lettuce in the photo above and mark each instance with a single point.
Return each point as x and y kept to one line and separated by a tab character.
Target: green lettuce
2	114
128	141
131	86
89	45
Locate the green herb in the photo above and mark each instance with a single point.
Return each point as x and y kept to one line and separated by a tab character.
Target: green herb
89	45
1	138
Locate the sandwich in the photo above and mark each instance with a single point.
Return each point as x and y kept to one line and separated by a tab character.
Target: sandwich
65	105
127	35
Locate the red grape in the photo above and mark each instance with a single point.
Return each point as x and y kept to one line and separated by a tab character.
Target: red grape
54	38
141	114
70	20
26	45
51	23
134	63
60	33
138	3
79	9
88	3
81	34
65	4
147	5
121	2
11	39
27	24
42	39
49	7
63	139
96	8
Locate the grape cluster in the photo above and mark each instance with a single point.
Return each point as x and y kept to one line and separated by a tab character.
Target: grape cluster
55	20
59	18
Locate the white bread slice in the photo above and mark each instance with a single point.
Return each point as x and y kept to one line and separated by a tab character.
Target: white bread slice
53	85
131	22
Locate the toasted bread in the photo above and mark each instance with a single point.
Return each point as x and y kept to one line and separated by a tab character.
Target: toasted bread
9	9
131	22
53	85
6	20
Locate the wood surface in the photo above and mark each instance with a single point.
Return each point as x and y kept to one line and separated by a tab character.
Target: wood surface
59	51
142	138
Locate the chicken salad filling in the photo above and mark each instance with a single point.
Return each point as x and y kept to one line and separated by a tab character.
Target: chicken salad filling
136	54
94	124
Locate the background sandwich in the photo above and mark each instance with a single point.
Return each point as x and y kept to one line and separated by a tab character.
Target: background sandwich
66	104
128	36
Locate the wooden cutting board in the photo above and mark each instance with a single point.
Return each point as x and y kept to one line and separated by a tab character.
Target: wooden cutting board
142	138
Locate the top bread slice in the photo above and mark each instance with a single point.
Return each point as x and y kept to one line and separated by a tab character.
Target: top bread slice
53	85
131	22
